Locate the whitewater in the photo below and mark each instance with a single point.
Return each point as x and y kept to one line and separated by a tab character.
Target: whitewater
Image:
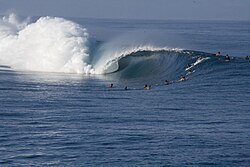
49	44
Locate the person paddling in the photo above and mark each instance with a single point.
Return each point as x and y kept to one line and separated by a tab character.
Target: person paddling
147	87
227	57
218	54
183	78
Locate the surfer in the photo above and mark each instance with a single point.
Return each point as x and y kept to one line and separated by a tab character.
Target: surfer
167	82
126	88
147	87
183	78
247	57
189	65
189	72
227	57
218	54
111	85
189	69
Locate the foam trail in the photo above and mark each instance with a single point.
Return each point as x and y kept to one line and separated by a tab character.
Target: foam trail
198	61
50	44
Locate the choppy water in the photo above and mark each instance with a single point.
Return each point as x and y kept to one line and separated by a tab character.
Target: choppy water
68	119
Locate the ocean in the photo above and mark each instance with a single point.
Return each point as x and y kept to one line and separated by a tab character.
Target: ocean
58	108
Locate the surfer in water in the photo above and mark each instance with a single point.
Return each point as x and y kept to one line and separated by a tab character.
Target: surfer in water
227	57
189	72
189	65
188	68
183	78
218	54
111	85
147	87
167	82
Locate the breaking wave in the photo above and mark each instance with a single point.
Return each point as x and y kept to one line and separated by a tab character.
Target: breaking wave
54	44
156	65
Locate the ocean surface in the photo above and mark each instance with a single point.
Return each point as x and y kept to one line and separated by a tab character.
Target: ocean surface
57	107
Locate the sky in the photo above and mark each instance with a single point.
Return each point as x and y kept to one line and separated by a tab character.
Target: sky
132	9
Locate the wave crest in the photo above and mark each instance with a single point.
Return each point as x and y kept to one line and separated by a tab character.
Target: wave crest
108	62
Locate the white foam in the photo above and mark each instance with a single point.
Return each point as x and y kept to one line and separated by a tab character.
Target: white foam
50	44
198	61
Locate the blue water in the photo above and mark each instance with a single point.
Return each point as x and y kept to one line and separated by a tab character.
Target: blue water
61	119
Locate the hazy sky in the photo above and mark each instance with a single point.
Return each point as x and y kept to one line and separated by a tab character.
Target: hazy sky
132	9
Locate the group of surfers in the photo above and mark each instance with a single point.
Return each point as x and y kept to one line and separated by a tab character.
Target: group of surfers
182	78
148	87
227	57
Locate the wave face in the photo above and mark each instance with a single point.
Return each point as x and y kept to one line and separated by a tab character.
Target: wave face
50	44
57	45
156	65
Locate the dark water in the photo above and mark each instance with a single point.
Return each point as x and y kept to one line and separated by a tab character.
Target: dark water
57	119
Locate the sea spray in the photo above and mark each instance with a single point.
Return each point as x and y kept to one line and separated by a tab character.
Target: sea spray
50	44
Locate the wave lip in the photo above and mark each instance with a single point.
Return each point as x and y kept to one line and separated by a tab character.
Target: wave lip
50	44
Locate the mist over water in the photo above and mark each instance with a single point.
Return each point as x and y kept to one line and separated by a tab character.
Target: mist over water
49	44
